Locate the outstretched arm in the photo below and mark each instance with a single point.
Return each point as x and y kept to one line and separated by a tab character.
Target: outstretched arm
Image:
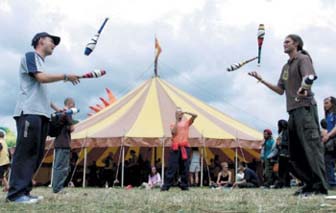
55	107
273	87
49	78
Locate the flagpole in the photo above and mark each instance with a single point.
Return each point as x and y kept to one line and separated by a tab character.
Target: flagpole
157	53
155	68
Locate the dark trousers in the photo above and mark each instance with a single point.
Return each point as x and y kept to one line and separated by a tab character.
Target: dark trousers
247	185
269	174
305	148
108	177
61	168
32	131
330	168
176	163
284	168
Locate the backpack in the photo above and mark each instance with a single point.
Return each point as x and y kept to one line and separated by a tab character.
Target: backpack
56	124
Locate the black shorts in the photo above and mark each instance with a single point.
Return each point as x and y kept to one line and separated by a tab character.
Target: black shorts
3	170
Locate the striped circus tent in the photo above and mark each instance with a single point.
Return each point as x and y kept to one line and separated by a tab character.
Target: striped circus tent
141	120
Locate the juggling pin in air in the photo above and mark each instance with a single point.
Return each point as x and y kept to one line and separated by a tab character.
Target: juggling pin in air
94	74
236	66
92	44
261	35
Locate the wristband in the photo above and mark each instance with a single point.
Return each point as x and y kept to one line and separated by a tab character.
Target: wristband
66	77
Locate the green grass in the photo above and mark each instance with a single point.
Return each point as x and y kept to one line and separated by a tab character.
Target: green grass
194	200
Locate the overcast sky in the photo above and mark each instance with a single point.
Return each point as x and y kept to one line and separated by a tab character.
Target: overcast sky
199	40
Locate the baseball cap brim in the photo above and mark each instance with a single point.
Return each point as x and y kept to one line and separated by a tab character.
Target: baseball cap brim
55	39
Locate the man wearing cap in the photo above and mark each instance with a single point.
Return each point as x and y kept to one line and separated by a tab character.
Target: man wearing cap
32	114
179	156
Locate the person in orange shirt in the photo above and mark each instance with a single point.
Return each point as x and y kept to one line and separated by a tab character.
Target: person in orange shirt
179	156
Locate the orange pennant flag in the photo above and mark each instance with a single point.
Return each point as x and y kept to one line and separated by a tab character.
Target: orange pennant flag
158	49
111	97
104	102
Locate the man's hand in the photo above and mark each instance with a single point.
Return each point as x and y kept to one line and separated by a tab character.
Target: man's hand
255	75
278	141
73	78
325	138
302	92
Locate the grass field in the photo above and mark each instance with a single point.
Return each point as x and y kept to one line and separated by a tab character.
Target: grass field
194	200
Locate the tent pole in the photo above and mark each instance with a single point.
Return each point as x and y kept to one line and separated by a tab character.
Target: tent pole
163	161
236	163
155	154
52	168
202	167
123	164
84	169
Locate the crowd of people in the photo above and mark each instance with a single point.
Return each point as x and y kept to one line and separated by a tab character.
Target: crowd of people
275	165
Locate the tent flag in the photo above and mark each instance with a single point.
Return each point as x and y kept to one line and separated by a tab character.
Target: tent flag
158	49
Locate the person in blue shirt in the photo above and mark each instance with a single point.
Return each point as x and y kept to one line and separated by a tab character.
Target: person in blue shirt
268	156
329	139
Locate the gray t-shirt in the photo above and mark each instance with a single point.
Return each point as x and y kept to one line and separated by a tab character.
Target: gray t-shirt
291	78
33	96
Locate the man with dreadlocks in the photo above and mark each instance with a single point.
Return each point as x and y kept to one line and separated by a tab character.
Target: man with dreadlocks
305	147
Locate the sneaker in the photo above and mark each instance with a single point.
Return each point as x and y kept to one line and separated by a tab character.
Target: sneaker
61	192
303	190
321	191
264	187
164	189
25	200
37	197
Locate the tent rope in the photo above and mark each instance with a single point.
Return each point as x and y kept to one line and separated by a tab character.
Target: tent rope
139	77
77	162
44	157
240	148
118	165
208	93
